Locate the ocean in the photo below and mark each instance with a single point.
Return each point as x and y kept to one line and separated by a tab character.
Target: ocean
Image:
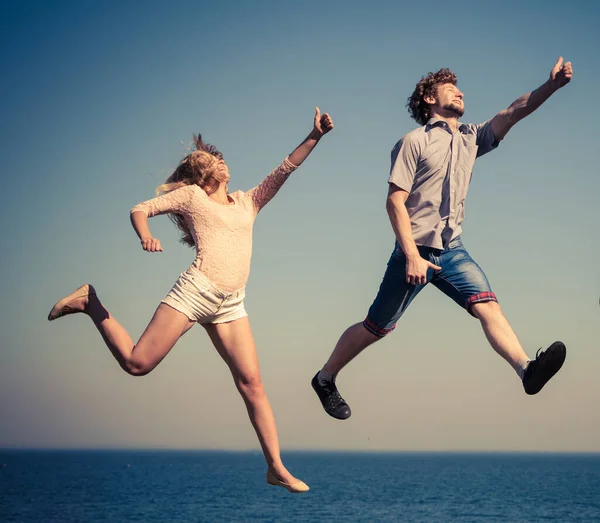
197	486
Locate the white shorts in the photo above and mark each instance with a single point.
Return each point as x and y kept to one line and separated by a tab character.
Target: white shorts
195	296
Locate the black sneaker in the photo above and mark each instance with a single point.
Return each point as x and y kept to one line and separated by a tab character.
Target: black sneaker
330	398
546	364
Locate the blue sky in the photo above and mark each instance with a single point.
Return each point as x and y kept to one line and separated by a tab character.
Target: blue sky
99	101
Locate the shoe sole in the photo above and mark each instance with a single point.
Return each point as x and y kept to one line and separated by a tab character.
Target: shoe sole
559	354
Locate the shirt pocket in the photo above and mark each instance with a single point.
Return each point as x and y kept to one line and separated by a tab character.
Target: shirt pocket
468	155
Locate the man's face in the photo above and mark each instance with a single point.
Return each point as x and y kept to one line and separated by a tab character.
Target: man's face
450	99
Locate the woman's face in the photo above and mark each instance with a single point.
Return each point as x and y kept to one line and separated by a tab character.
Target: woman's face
223	170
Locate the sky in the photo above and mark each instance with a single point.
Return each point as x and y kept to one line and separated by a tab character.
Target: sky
99	101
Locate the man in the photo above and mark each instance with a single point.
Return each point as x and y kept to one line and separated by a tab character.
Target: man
428	183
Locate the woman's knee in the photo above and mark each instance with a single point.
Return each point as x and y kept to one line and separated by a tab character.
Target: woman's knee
250	386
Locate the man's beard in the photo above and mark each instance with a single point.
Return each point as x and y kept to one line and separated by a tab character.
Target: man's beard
458	111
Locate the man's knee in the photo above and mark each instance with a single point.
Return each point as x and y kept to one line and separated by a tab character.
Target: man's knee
486	309
138	367
373	333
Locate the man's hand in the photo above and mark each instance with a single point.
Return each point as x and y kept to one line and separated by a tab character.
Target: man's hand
561	74
416	269
523	106
151	245
322	124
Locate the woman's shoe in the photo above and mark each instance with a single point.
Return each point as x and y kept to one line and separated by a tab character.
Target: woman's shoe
62	307
296	487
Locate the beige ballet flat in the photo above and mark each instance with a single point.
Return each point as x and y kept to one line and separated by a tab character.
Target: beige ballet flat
296	487
62	307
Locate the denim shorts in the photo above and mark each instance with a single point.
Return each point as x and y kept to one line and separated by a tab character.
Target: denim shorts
460	278
197	297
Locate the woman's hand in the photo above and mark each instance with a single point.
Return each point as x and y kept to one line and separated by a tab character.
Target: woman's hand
151	245
322	124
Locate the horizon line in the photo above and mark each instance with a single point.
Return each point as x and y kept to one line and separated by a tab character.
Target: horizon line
297	450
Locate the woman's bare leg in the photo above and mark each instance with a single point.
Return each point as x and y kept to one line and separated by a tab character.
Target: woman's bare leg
235	344
161	334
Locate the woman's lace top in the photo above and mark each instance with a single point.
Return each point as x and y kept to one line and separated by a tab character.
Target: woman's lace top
222	233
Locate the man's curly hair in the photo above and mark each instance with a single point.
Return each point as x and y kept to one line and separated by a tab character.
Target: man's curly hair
417	107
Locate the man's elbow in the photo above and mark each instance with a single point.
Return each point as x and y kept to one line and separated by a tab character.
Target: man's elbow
513	115
389	204
396	201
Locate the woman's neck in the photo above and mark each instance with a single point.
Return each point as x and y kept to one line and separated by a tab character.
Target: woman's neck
221	195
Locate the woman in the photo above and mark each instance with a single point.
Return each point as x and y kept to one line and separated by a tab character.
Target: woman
211	291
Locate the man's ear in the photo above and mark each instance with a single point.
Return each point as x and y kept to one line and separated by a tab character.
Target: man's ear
430	98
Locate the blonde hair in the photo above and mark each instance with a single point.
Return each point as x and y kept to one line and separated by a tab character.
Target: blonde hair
198	168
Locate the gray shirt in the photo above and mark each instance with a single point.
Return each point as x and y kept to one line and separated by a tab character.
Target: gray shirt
434	166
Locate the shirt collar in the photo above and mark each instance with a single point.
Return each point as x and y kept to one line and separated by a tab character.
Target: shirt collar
437	122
